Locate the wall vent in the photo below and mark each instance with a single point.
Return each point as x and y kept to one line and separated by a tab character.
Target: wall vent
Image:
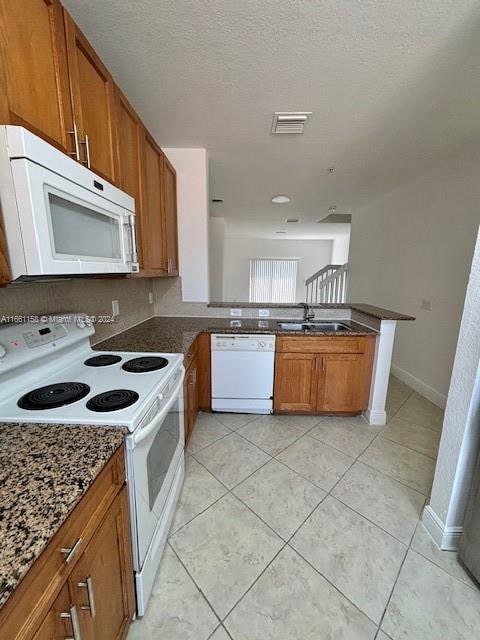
289	121
293	220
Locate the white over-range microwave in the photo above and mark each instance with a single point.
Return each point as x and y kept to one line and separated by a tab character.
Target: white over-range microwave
60	218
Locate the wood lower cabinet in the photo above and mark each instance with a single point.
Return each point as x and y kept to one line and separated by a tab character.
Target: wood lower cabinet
322	381
295	382
104	599
35	74
90	595
191	397
93	102
62	619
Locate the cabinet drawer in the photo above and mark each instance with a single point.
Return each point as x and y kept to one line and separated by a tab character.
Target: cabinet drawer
322	344
29	603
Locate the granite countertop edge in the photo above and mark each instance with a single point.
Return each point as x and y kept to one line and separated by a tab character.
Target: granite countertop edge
45	470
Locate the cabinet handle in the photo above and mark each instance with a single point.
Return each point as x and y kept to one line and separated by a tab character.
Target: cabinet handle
86	142
74	133
71	551
72	615
88	584
169	265
320	363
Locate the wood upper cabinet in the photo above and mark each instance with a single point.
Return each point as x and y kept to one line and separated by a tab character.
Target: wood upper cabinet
170	215
190	390
130	149
93	102
151	222
98	584
35	75
295	382
323	381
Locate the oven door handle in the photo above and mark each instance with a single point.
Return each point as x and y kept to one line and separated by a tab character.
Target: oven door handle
144	433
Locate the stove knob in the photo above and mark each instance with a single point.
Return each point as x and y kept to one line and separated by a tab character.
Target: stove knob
3	352
262	344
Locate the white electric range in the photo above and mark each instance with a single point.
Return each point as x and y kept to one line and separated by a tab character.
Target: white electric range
50	374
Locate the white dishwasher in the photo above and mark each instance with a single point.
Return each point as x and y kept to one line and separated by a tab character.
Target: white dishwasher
242	373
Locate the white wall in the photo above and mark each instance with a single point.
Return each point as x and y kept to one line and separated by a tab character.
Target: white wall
191	166
313	255
217	243
461	427
340	249
417	243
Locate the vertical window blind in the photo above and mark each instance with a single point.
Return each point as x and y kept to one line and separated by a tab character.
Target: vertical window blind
273	280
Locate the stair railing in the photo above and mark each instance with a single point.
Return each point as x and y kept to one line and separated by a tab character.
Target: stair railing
328	285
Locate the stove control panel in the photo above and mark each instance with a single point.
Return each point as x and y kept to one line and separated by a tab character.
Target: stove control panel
241	342
44	334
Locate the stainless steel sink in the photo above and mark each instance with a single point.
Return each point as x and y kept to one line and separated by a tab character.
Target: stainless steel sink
313	326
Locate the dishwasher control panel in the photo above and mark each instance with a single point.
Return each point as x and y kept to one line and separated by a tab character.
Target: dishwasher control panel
239	342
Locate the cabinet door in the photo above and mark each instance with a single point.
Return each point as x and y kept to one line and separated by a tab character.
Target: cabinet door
92	91
101	583
61	621
151	225
170	214
129	148
295	382
204	382
341	383
191	397
36	93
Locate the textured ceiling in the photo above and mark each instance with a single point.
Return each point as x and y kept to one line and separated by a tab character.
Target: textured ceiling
393	86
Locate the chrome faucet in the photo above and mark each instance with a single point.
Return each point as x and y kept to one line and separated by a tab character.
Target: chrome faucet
307	313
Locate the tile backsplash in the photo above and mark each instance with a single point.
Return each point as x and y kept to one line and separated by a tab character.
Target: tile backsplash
91	296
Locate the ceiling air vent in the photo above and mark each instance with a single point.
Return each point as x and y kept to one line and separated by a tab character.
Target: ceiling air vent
289	121
292	220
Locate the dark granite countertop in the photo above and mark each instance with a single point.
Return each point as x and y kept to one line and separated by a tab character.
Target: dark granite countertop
176	335
368	309
45	469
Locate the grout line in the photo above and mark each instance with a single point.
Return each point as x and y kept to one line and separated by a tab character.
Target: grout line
198	587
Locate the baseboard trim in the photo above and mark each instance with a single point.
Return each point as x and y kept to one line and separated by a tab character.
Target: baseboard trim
375	417
446	538
425	390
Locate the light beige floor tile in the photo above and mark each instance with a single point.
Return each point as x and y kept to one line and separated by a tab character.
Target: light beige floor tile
232	459
220	634
398	393
225	549
381	499
316	461
281	497
360	559
412	435
350	435
382	636
410	467
177	610
273	433
200	489
291	601
421	411
234	420
304	421
207	430
429	604
446	560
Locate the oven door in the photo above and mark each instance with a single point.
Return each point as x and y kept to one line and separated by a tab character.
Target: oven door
67	229
154	458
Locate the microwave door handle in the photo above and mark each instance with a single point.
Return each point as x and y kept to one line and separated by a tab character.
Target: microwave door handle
144	433
133	238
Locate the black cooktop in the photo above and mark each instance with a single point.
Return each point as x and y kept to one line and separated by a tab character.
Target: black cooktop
144	364
53	395
112	400
103	360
